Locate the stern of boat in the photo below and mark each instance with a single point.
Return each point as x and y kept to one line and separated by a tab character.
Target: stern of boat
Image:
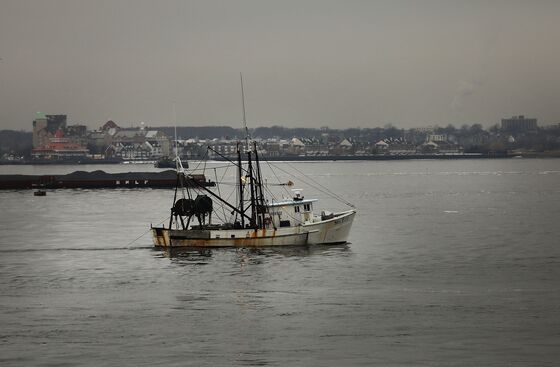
160	236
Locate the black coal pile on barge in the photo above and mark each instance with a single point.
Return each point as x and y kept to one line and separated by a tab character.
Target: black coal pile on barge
100	179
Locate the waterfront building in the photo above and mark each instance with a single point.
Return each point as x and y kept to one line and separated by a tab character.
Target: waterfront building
436	137
99	141
395	147
223	147
53	139
59	147
519	124
139	144
45	126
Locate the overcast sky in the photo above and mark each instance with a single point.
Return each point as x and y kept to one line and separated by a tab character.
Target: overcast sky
305	63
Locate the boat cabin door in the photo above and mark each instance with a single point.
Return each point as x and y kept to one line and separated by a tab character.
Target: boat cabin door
303	212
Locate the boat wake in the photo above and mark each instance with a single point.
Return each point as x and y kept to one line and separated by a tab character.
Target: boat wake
76	249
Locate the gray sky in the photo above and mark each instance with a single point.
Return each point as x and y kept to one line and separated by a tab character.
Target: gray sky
305	63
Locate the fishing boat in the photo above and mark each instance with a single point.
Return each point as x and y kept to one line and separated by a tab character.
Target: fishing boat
201	217
206	216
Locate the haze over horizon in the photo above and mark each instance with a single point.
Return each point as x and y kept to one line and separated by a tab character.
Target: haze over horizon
305	63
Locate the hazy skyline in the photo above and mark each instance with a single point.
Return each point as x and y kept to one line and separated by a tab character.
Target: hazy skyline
305	63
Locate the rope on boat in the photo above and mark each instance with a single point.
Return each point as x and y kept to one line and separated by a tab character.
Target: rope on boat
277	178
320	187
200	161
145	233
200	169
218	188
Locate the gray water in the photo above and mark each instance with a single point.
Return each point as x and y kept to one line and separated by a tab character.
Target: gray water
453	263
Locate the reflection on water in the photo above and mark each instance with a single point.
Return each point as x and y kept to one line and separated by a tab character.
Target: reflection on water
180	254
201	255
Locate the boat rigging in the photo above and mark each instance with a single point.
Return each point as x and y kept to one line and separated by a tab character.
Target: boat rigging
255	217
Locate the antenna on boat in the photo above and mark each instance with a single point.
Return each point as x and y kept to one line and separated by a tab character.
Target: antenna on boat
175	127
178	163
244	116
175	131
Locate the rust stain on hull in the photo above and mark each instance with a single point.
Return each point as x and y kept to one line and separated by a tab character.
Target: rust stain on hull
251	238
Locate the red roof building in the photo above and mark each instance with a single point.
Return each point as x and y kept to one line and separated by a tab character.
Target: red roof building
59	147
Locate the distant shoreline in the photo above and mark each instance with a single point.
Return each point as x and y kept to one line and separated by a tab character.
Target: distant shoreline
409	157
382	157
324	158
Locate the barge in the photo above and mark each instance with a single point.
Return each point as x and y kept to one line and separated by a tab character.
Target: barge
102	180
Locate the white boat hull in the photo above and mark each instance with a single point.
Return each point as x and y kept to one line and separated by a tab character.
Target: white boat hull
333	230
229	238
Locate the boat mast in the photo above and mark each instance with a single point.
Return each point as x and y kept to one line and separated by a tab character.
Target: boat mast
252	186
260	195
244	116
174	200
240	173
175	127
253	180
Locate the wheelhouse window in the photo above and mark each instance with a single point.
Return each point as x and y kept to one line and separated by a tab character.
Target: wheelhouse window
296	209
284	223
306	207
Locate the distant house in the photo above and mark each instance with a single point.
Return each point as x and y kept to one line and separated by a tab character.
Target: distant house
442	147
345	144
109	125
140	144
381	146
297	147
429	147
272	149
344	147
